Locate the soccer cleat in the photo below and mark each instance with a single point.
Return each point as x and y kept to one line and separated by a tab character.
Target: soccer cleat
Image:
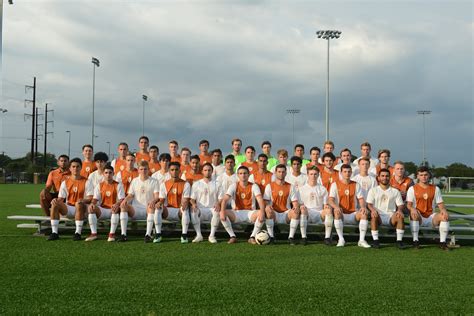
157	238
252	240
212	240
123	238
184	239
76	237
376	244
400	244
232	240
416	244
341	243
363	244
147	239
198	239
444	246
53	236
304	241
291	241
111	237
92	237
328	241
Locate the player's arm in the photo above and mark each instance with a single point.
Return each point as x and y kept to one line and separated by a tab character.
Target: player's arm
414	214
332	203
62	194
186	196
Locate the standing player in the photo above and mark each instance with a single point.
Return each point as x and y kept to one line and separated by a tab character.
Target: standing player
236	147
266	149
314	156
346	157
422	198
204	155
365	180
205	204
314	206
96	177
53	183
328	175
173	203
105	204
88	165
386	208
154	163
119	163
173	148
142	153
194	173
140	202
185	160
399	181
282	155
247	198
281	199
262	176
218	167
128	173
250	162
163	174
71	201
384	161
343	197
295	177
328	147
229	177
299	152
365	149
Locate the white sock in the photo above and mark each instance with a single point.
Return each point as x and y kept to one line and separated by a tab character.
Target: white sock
158	220
93	222
114	220
339	226
256	227
328	226
55	225
293	226
443	231
196	223
270	224
123	222
415	228
228	227
79	227
184	222
375	234
363	224
303	225
215	221
400	233
149	224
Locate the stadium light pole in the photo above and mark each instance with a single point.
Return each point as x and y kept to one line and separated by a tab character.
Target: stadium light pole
293	112
2	111
144	98
95	63
328	35
69	145
108	143
424	112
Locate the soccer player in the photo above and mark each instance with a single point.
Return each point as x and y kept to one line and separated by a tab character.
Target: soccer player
185	163
163	174
128	173
399	181
386	208
282	155
328	175
299	152
173	203
96	177
119	163
105	204
71	201
88	165
365	180
328	147
282	207
247	197
154	163
204	155
295	176
173	149
422	198
205	195
250	162
314	156
266	149
194	173
229	177
384	158
314	206
142	153
343	197
140	202
262	176
346	157
365	149
218	167
236	147
53	183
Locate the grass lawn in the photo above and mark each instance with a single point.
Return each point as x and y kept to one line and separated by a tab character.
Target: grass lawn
65	277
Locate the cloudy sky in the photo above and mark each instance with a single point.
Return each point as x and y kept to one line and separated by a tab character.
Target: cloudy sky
225	69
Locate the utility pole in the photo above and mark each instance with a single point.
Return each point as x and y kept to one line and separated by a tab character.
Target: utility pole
46	132
293	112
33	115
37	115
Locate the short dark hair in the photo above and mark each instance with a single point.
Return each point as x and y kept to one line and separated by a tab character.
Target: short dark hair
154	147
217	150
298	146
346	166
266	142
63	156
196	157
173	142
164	156
423	169
315	148
143	163
330	155
122	144
78	160
243	168
312	168
345	149
229	157
280	166
175	163
296	158
87	145
207	164
204	141
250	147
109	167
143	137
384	170
262	156
101	156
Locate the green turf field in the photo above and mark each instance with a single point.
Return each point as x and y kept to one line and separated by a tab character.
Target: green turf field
64	277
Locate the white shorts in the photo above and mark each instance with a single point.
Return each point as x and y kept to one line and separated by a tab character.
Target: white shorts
314	217
173	214
140	211
280	218
105	213
71	211
206	214
385	218
243	216
427	221
350	219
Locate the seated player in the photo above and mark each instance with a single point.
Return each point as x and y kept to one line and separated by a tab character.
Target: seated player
266	149
328	175
366	180
281	199
205	195
119	163
314	160
173	149
142	153
246	197
71	201
295	176
88	165
217	165
53	183
422	199
343	197
163	174
250	162
140	201
194	173
229	177
314	206
262	176
154	162
400	181
128	173
105	203
204	155
386	208
173	203
96	177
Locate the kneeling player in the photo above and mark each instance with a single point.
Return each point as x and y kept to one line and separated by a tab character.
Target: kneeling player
245	196
281	199
173	203
140	201
315	208
386	208
105	204
205	203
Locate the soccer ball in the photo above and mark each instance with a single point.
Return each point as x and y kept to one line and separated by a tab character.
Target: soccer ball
262	238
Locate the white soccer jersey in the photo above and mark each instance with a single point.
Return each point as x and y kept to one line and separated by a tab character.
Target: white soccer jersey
143	191
255	192
411	197
366	183
94	178
292	197
206	193
161	178
186	192
335	195
339	165
217	171
288	169
120	193
313	197
373	162
297	181
385	201
224	181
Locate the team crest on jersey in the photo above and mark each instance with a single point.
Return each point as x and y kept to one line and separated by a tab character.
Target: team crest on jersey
263	181
250	169
88	169
122	167
174	191
74	189
242	195
142	190
346	192
425	196
384	198
129	179
108	194
206	191
312	196
280	193
330	180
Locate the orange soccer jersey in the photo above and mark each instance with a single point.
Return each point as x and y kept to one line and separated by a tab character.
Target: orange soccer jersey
318	165
347	199
142	156
87	168
328	178
176	158
424	199
154	166
174	192
120	165
280	195
108	194
243	197
127	177
401	186
191	177
56	177
252	165
75	190
205	158
262	179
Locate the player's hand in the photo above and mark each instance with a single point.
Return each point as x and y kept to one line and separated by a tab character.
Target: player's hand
374	214
217	208
414	214
338	211
54	201
296	210
222	215
363	211
399	215
90	208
